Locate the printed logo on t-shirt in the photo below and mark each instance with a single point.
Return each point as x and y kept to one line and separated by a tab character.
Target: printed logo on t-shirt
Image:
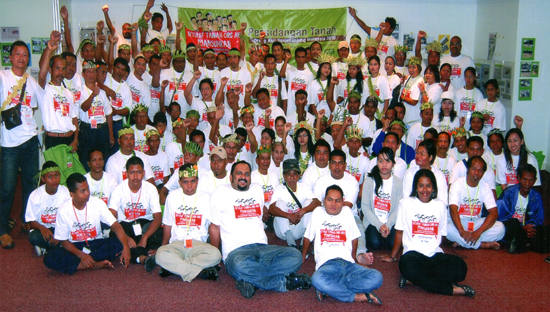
133	212
298	84
511	178
181	86
94	111
268	192
117	102
185	214
425	227
15	100
261	121
178	162
470	207
83	232
467	105
49	215
456	72
332	234
354	171
159	174
61	105
383	49
247	208
76	96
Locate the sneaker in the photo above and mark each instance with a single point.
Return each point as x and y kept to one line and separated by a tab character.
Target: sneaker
547	259
39	251
298	281
150	263
247	289
7	242
209	274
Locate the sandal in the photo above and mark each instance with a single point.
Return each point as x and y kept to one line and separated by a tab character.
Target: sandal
320	296
468	291
402	282
11	223
370	298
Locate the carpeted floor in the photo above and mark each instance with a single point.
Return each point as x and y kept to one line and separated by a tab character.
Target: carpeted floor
503	282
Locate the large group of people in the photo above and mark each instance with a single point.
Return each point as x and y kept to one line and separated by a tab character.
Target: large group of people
191	155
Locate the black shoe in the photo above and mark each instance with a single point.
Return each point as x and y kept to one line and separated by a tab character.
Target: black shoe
298	281
517	246
150	263
468	291
247	289
402	282
209	274
165	273
547	260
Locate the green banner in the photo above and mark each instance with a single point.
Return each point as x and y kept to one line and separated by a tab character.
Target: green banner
290	27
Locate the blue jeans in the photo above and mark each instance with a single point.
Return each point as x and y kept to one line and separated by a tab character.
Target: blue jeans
24	156
375	240
342	279
264	266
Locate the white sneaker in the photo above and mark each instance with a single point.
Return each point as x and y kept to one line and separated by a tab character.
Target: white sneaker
39	251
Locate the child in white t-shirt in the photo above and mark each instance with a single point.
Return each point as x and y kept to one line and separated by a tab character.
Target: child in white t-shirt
42	208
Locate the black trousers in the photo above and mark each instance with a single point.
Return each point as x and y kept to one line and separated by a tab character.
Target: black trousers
434	274
154	241
539	243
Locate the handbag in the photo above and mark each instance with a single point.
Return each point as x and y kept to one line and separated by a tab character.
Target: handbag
12	116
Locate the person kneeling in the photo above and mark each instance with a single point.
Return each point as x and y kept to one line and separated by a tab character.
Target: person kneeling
338	273
78	229
184	249
292	204
421	223
521	211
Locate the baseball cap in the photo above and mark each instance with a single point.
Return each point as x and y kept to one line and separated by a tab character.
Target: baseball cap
291	164
218	151
343	44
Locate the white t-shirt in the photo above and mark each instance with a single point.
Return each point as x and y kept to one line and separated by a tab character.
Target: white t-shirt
239	215
345	87
458	65
411	90
42	207
466	102
285	202
385	47
340	70
312	174
238	79
73	85
208	183
470	200
272	85
154	107
209	146
176	79
201	106
456	155
160	165
348	184
316	96
293	119
393	81
491	160
382	201
441	181
497	115
82	225
415	135
508	177
99	109
140	91
356	166
381	87
131	206
423	225
116	165
57	107
259	116
123	95
21	134
140	141
332	235
459	170
160	35
188	216
446	124
268	183
362	122
175	155
297	80
445	165
213	75
103	188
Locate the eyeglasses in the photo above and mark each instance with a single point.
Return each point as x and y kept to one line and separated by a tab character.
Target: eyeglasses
455	44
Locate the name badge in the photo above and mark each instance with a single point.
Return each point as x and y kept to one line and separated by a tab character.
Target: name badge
86	250
188	243
137	229
470	226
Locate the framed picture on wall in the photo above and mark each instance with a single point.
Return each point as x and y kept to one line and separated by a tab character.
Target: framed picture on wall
528	49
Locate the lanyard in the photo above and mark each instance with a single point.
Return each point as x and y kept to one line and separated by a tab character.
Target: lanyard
470	201
85	221
70	85
177	82
213	73
134	207
264	181
358	158
137	135
523	209
407	86
58	91
325	88
231	77
192	211
473	93
111	85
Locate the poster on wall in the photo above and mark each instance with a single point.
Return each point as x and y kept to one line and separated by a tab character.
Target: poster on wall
525	89
294	28
10	33
535	69
6	54
528	49
444	40
492	45
39	45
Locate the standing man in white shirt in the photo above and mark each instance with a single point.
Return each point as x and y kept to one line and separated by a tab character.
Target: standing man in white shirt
157	19
459	62
238	228
19	143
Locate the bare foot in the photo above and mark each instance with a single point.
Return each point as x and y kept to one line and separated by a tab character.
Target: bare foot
365	258
369	297
105	264
490	245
